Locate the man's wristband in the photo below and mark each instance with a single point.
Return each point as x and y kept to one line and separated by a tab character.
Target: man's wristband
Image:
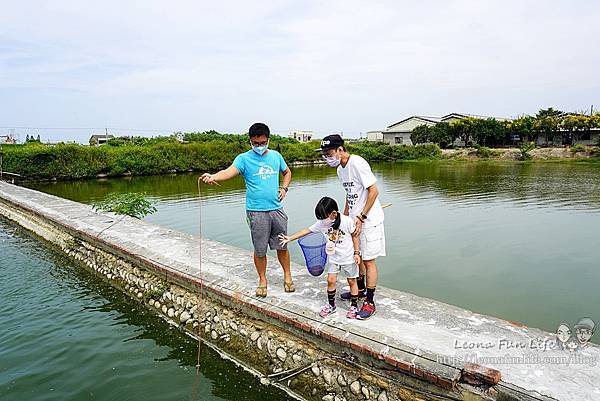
357	253
284	188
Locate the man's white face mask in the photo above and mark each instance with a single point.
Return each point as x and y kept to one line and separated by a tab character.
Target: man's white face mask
332	161
260	149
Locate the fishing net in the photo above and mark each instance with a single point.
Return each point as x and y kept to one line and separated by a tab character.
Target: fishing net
313	248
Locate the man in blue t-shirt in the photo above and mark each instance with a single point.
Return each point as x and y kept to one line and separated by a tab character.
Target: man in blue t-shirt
260	168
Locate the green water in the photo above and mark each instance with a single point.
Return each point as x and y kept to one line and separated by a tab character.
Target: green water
519	241
66	335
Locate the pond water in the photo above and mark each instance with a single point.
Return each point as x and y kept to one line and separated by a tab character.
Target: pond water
67	335
515	240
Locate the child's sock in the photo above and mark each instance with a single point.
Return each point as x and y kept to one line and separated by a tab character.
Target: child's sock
354	300
370	294
361	283
331	297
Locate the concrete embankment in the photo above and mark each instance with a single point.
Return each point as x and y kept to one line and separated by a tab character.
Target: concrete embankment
413	348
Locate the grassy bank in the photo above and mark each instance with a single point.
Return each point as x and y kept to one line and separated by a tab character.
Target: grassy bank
213	151
200	153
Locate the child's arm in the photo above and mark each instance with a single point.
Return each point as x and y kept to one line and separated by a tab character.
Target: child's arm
355	242
288	238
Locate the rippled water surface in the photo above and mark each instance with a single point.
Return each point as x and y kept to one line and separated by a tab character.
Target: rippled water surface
65	335
519	241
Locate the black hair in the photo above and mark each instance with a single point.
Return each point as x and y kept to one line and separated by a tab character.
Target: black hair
258	129
325	207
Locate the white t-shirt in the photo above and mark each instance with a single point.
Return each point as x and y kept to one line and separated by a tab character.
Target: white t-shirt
344	248
356	177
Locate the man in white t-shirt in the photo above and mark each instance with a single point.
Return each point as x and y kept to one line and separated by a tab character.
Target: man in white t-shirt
362	204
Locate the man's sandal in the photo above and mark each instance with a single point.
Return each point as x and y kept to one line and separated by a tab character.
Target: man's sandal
261	291
289	286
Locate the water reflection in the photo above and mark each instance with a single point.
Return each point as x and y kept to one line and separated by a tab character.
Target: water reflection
524	184
514	240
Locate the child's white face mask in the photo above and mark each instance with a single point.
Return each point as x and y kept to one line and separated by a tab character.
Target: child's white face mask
329	221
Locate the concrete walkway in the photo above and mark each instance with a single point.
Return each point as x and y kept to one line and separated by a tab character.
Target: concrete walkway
415	333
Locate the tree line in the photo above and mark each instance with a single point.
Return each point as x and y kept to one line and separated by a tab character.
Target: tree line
550	123
198	151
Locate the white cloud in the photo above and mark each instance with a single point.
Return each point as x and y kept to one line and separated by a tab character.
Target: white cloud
323	65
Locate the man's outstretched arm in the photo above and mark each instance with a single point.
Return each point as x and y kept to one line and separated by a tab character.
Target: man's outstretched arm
222	175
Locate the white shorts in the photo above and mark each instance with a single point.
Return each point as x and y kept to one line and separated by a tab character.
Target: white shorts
350	270
372	242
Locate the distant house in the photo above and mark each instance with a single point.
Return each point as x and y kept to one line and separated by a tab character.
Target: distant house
588	138
7	140
567	138
375	136
399	133
97	140
301	135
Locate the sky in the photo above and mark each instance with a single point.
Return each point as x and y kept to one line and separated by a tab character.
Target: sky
155	67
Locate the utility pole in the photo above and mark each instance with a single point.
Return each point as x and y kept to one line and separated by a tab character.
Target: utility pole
105	135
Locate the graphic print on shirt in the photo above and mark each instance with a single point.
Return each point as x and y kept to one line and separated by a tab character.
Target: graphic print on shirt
350	196
335	236
265	171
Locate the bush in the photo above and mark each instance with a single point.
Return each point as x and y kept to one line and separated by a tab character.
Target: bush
484	152
578	148
72	161
525	148
379	151
131	204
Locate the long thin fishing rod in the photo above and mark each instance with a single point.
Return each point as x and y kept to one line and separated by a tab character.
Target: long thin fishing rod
200	288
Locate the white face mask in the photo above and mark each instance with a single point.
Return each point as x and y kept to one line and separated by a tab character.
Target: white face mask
260	149
328	221
332	161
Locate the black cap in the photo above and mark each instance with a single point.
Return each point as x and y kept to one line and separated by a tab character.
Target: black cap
331	142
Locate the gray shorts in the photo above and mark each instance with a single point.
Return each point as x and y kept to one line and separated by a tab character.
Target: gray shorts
350	270
265	228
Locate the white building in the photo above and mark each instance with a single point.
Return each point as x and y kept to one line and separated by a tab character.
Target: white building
399	133
301	135
101	139
375	136
7	140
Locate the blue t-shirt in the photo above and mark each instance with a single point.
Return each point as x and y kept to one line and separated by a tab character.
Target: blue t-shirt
261	174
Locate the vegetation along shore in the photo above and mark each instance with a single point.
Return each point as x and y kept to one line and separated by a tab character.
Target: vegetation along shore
209	151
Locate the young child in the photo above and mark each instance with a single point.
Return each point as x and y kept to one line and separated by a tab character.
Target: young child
342	249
